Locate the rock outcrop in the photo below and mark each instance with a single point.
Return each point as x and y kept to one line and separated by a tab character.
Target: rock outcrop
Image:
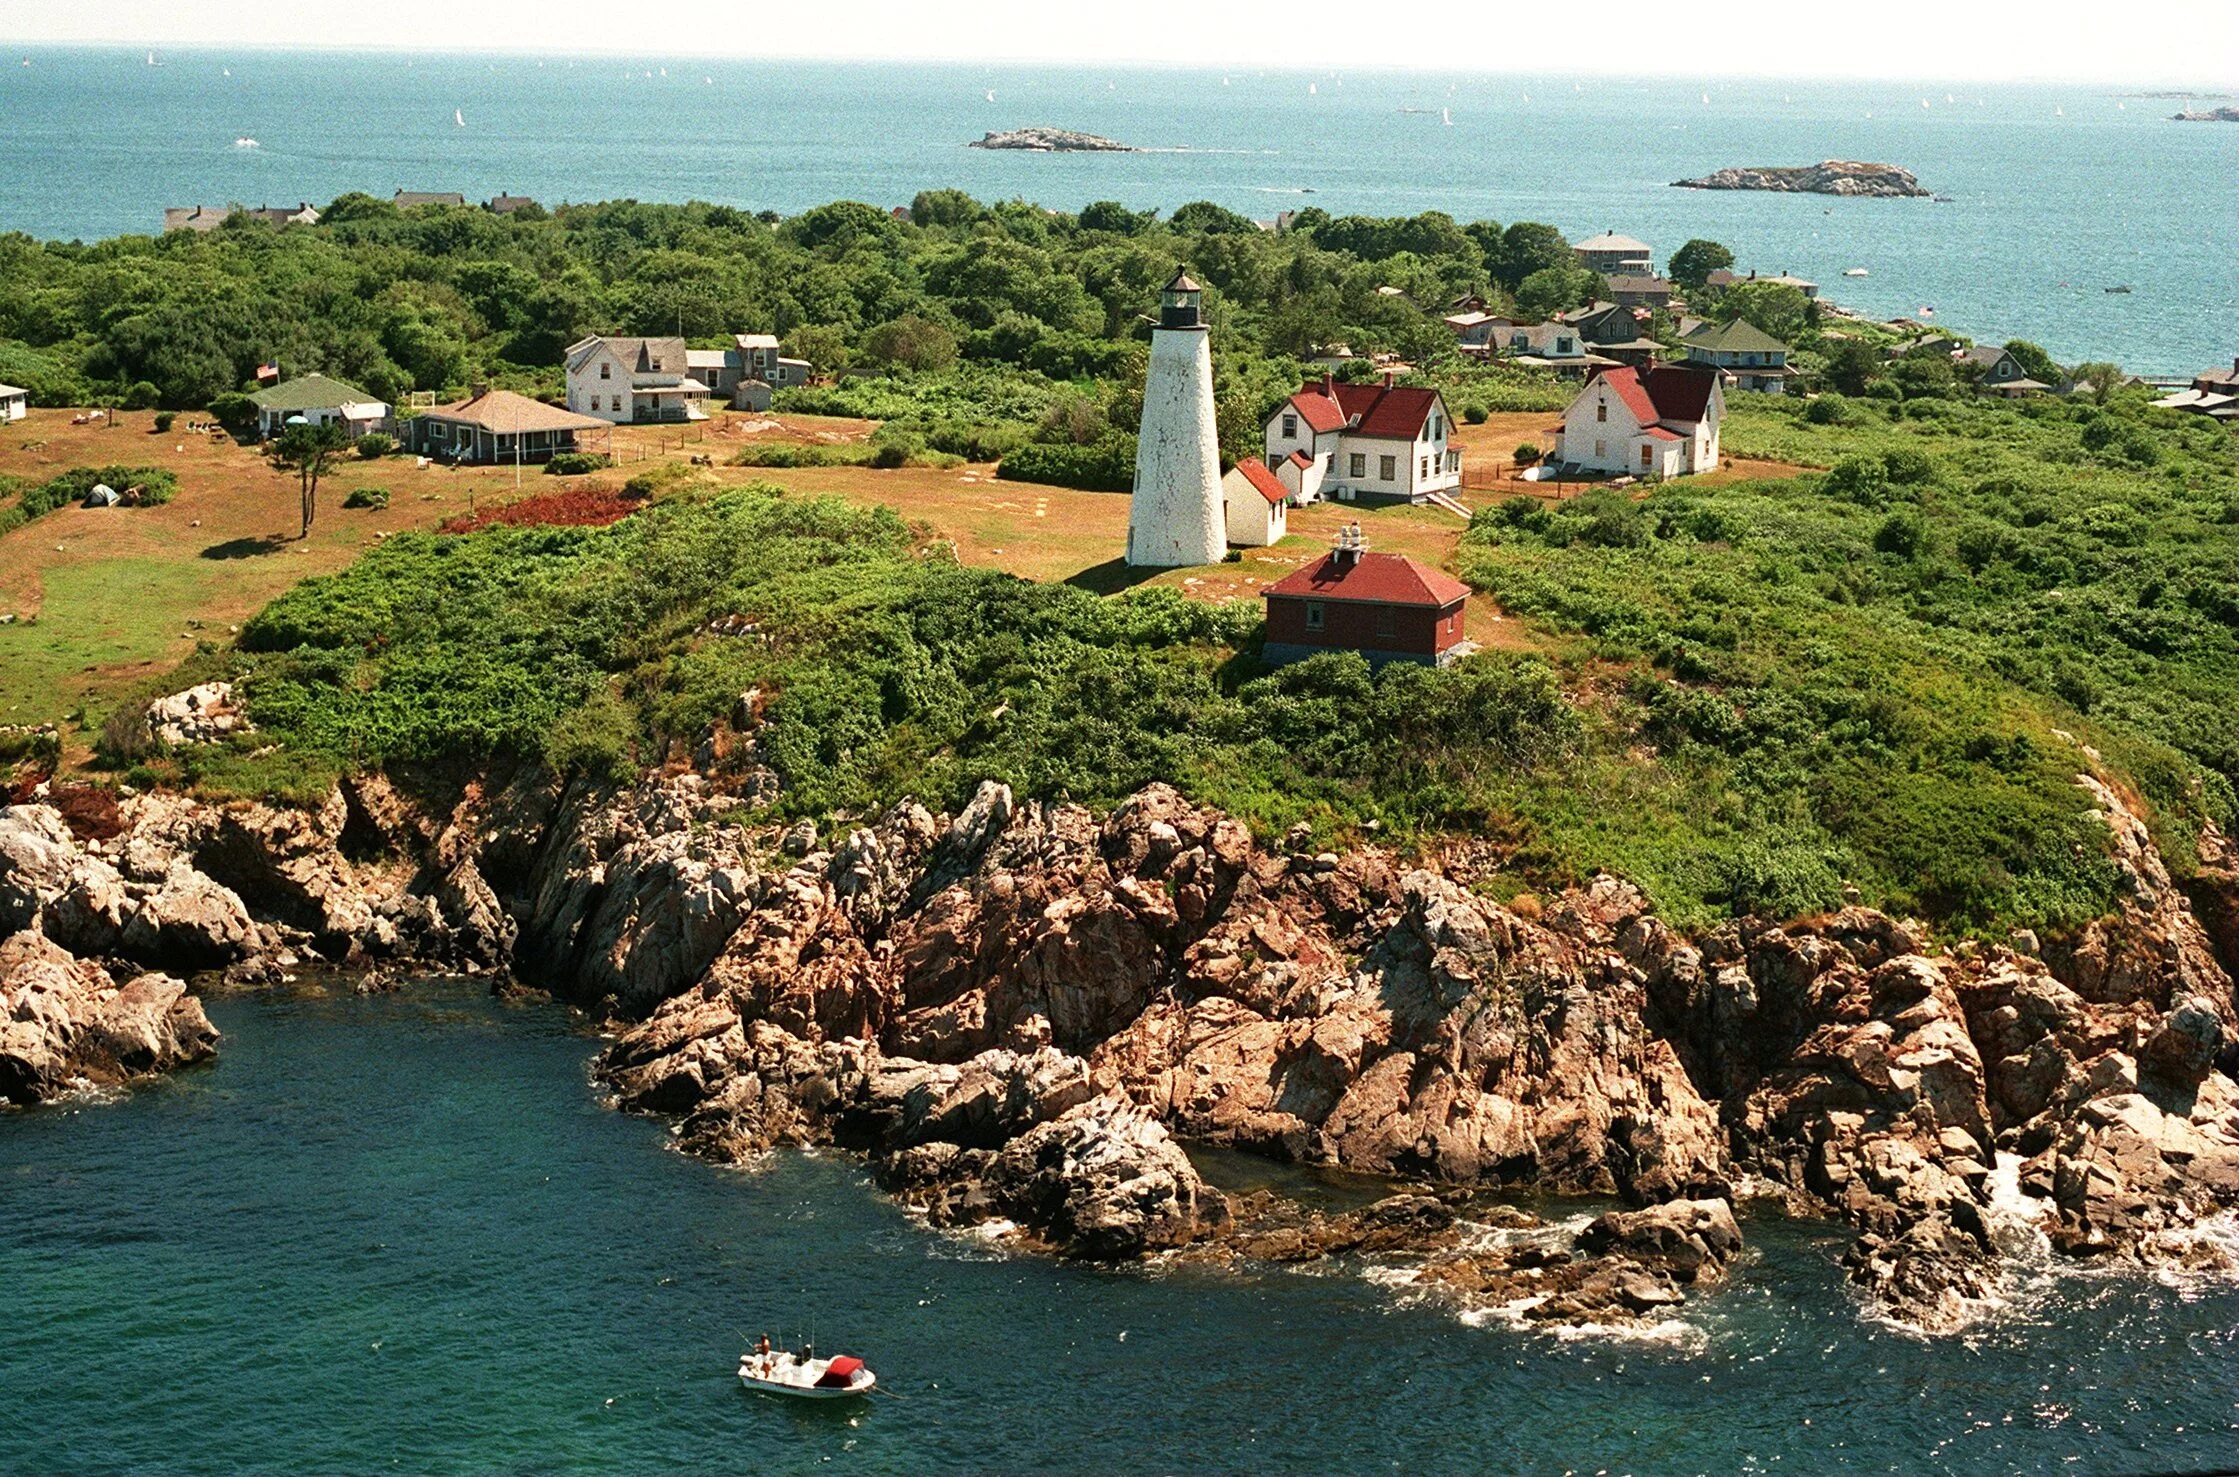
199	715
1832	177
66	1025
1044	140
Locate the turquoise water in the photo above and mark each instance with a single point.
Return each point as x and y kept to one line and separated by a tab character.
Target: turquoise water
2057	192
400	1234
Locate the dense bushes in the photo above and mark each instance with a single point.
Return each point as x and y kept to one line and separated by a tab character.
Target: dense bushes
1107	466
142	486
573	463
374	498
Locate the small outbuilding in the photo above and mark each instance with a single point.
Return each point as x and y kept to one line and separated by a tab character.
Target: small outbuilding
15	403
1387	607
1255	499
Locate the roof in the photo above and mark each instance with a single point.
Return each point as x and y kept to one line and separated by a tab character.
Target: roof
707	358
1662	433
310	392
504	412
1665	392
1786	280
1297	458
639	355
1320	411
405	199
1183	282
1264	482
1734	336
507	204
755	340
1376	579
11	391
1385	412
1635	282
1610	241
1983	354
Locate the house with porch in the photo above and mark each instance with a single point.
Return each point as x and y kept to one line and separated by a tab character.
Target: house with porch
1254	498
320	401
1612	334
500	426
1613	255
1387	607
1997	372
1661	421
626	381
1377	442
1749	357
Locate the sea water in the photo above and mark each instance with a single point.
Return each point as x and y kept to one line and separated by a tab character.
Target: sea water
403	1233
2056	192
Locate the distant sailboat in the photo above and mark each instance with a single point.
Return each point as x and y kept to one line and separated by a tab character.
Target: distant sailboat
1446	116
1527	97
1706	99
991	94
458	116
245	142
1311	89
152	61
2059	112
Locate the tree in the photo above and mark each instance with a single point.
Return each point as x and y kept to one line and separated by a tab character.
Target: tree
912	342
1527	247
1111	216
1924	376
1693	263
306	448
2100	378
1778	309
2034	362
1851	366
945	208
1552	290
1204	218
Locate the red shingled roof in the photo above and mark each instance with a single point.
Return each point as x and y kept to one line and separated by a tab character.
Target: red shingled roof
1663	392
1662	433
1301	459
1389	413
1263	481
1321	413
1376	579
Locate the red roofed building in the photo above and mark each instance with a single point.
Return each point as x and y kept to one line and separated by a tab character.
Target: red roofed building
1366	443
1387	607
1254	499
1659	421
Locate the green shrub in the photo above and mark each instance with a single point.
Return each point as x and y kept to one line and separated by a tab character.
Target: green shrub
1827	409
374	445
1475	413
164	420
1108	466
367	497
237	413
574	463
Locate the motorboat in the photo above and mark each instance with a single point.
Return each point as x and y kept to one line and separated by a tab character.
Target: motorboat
1854	271
803	1376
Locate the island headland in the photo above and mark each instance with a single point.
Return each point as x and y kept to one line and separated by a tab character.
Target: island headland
1043	140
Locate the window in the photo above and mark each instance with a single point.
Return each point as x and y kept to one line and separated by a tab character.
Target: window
1437	428
1274	460
1601	448
1313	615
1387	468
617	402
1387	622
1359	464
606	370
1646	454
1422	467
1290	426
1601	410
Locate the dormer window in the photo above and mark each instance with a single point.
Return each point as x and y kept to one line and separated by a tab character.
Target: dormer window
606	370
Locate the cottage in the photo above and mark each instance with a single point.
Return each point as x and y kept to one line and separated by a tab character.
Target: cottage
1749	357
1254	498
1997	372
748	372
1368	443
1611	334
1477	332
507	204
2218	381
408	199
500	426
319	400
628	381
1556	345
1613	255
15	404
1387	607
1661	421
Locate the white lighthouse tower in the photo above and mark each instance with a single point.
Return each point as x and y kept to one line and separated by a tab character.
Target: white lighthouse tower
1176	515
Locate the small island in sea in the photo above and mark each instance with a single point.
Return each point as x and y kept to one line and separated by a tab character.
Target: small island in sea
1053	141
2225	114
1831	177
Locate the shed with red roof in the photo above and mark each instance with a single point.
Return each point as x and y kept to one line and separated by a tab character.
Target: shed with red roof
1255	500
1387	607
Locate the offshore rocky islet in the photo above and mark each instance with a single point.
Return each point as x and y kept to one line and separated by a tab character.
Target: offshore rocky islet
1016	1011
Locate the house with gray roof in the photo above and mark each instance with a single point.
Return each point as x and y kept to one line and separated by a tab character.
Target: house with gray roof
1997	372
630	380
406	199
1748	357
1613	255
199	218
321	401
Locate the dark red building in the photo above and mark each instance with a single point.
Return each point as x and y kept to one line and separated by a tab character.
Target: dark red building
1387	607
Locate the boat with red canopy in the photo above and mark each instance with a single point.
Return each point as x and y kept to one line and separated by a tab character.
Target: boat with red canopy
803	1376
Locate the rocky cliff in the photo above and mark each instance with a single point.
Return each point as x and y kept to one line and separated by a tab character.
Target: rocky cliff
1832	177
1020	1012
1043	140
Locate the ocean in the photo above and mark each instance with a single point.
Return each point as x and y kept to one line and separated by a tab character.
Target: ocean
401	1233
2057	193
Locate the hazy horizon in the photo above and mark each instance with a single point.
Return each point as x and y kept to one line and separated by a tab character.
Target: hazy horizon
2188	44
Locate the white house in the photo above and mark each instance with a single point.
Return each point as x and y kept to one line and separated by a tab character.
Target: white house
1613	255
1366	443
1661	421
1255	499
319	400
14	403
624	380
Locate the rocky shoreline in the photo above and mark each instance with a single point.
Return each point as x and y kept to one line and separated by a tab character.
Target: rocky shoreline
1042	140
1831	177
1020	1012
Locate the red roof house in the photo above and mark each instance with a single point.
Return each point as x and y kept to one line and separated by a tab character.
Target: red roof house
1387	607
1377	442
1657	421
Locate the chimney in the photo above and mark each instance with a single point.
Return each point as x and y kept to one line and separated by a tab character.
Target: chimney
1391	378
1349	547
1329	383
478	389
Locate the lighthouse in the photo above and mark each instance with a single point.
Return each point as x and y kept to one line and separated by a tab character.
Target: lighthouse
1176	515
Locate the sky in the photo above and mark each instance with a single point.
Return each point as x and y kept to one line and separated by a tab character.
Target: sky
2168	42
